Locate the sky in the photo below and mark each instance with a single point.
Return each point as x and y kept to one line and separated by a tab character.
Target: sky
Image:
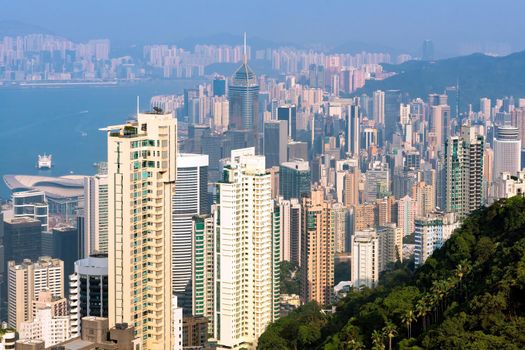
455	26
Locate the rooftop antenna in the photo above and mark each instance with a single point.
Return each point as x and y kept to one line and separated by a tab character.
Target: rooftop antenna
245	58
138	105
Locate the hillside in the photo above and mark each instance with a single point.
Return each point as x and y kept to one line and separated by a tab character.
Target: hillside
469	295
478	76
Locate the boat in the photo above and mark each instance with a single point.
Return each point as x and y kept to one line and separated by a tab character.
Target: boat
45	161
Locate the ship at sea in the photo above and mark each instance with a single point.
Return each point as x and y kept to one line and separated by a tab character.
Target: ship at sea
45	161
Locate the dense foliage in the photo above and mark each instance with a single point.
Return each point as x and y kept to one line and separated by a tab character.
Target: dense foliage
290	278
477	75
468	295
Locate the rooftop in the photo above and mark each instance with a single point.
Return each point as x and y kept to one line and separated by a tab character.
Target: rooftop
54	187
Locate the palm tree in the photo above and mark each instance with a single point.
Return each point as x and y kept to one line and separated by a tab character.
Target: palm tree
353	344
377	340
407	319
422	310
462	269
390	331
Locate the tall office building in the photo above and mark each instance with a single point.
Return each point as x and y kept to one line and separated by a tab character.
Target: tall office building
318	248
247	274
352	131
431	232
463	161
203	276
290	214
275	142
243	95
32	204
507	151
294	179
341	221
88	294
18	232
390	245
377	181
378	107
289	113
219	86
297	150
485	108
406	214
351	180
64	242
365	258
440	123
427	51
95	215
191	198
141	184
26	281
392	111
424	197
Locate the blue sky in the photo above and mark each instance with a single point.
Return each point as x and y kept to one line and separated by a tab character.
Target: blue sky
455	26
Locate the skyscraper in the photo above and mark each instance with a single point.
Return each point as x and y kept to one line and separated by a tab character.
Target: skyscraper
406	214
219	86
427	51
365	258
431	232
89	290
31	204
289	113
463	160
390	245
96	215
378	107
141	184
352	131
294	179
507	151
18	231
246	272
392	111
318	248
26	281
203	267
191	198
66	248
243	94
275	142
290	214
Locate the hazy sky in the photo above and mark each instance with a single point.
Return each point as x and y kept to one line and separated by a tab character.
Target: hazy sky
455	26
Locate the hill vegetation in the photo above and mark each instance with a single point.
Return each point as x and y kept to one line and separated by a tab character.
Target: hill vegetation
478	76
470	294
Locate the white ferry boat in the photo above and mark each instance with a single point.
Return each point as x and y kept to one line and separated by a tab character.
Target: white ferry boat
45	161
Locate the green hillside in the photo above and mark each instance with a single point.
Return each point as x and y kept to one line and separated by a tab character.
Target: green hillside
478	76
469	295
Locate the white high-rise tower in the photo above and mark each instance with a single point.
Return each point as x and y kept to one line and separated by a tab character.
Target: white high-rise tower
141	183
246	264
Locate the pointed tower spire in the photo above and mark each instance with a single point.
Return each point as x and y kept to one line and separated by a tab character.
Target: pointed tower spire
245	58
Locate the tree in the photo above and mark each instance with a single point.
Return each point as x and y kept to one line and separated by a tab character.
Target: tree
390	331
407	319
377	340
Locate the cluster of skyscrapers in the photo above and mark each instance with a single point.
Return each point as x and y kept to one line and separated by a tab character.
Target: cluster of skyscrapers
177	241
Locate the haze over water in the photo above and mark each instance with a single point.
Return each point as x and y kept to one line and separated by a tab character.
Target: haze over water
65	122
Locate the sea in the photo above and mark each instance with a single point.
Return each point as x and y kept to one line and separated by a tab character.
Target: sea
64	121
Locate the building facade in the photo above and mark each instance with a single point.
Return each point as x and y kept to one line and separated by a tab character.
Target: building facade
141	184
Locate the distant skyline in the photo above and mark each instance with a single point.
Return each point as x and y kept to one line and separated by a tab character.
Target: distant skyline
455	27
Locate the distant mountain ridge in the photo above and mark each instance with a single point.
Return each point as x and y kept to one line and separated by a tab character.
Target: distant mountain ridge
478	76
15	28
